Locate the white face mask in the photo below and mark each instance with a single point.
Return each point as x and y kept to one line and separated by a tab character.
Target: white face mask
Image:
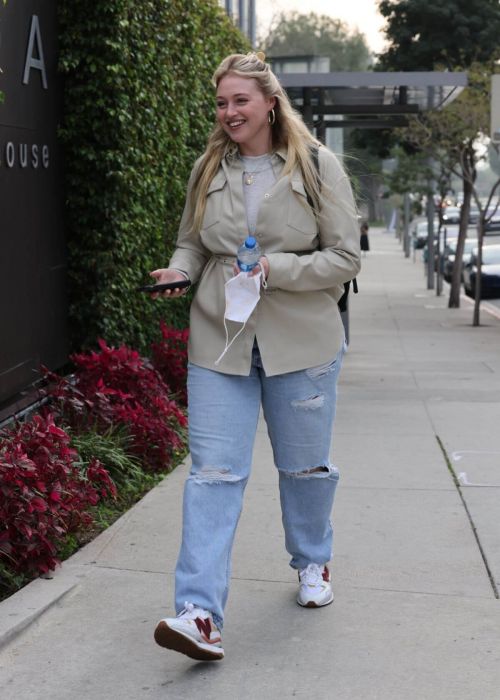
242	296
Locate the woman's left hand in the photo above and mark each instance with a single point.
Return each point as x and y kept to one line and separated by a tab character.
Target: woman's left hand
264	262
262	267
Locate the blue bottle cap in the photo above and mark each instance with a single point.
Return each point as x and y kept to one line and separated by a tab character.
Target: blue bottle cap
250	242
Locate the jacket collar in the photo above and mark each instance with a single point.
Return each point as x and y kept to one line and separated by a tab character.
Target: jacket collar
282	153
231	153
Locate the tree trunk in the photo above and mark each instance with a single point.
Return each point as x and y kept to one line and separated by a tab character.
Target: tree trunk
476	320
430	239
456	280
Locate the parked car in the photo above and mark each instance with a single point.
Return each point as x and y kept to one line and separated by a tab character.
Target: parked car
490	272
453	230
418	230
451	215
473	215
447	233
493	214
443	238
425	252
449	256
493	224
419	234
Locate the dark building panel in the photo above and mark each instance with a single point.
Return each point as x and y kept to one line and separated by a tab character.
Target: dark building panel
33	304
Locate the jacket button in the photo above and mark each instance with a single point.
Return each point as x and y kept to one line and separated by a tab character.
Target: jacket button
267	195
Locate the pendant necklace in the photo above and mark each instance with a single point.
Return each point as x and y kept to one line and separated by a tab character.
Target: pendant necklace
249	175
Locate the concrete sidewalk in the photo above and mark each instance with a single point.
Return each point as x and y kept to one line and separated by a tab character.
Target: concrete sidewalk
417	562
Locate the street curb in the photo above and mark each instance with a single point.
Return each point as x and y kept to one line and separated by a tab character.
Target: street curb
23	608
487	308
28	604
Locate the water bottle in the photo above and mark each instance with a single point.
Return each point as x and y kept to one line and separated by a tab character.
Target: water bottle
248	254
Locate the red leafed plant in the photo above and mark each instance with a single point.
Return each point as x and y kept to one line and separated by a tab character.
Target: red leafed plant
43	495
118	386
170	359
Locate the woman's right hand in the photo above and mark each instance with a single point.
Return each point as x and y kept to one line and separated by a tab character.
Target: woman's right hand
165	275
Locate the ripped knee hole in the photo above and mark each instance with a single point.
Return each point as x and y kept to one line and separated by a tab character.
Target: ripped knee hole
309	404
313	472
214	475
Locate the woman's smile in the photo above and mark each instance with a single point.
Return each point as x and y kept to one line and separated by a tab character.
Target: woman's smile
236	123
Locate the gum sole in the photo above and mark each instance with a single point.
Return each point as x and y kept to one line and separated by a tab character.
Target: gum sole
314	605
170	639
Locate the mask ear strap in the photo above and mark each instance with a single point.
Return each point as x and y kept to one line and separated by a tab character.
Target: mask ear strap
228	345
263	279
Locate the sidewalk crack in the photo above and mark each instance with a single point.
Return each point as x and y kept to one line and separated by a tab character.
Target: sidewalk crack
469	516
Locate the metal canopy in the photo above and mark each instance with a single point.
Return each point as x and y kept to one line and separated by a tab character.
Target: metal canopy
371	99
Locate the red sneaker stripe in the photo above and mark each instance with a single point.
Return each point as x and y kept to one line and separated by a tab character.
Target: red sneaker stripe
205	629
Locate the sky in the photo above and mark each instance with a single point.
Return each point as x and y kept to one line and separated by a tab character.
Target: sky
360	14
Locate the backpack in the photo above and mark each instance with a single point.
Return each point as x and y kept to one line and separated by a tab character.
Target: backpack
342	302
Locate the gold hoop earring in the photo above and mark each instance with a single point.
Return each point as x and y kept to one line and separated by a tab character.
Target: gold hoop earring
271	116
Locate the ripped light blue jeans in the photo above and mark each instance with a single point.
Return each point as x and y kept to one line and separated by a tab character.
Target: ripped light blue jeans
299	409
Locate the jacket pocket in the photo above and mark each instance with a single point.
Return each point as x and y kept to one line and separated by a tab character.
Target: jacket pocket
213	206
300	215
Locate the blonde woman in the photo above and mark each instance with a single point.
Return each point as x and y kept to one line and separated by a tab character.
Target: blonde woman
258	176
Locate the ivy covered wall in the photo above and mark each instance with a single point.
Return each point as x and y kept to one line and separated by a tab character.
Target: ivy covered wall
138	107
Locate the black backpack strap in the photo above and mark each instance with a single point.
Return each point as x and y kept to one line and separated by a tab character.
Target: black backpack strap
315	159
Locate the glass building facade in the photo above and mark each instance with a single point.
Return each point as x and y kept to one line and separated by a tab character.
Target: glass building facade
242	12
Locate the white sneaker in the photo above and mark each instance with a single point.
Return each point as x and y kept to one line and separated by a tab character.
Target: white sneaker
315	588
193	632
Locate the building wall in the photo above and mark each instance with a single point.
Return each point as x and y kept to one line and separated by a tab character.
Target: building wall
243	14
33	305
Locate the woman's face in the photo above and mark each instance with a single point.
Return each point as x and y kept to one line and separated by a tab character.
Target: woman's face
243	113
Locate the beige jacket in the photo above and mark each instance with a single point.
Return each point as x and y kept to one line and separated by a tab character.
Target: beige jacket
297	322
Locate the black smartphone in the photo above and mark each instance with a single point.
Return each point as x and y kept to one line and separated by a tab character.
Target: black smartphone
152	288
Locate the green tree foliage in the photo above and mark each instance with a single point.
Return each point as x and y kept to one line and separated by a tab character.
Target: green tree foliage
411	174
138	108
432	34
426	33
296	34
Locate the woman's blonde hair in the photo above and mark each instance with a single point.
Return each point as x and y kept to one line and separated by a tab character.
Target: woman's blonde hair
288	131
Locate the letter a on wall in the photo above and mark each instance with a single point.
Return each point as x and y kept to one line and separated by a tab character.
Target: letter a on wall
31	61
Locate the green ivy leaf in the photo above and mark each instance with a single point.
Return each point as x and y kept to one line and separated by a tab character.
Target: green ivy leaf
137	113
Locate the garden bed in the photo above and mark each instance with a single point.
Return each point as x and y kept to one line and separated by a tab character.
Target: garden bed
105	436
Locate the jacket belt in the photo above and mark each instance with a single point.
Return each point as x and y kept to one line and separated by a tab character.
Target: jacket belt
231	259
225	259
